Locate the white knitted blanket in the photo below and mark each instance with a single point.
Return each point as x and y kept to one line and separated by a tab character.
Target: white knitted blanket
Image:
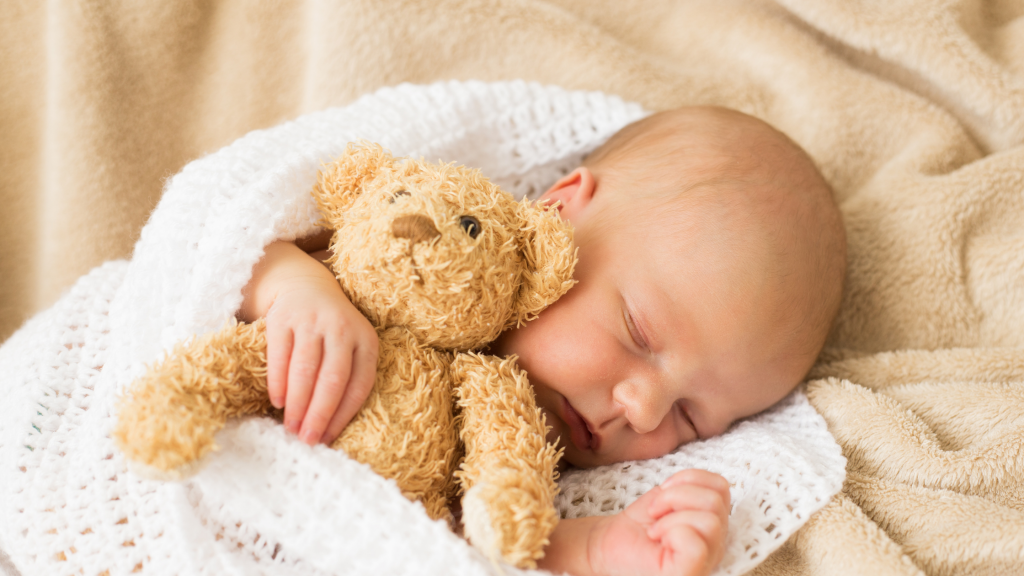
266	503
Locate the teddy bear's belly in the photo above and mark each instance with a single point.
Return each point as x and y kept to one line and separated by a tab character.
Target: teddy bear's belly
406	430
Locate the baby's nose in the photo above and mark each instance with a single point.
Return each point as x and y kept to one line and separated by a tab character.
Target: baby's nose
644	407
415	227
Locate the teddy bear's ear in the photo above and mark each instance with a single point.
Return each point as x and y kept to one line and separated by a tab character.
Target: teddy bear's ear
341	182
550	258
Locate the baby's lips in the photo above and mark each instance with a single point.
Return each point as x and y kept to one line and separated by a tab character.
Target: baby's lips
595	438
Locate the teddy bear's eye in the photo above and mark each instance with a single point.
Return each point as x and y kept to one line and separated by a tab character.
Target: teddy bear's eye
470	225
397	194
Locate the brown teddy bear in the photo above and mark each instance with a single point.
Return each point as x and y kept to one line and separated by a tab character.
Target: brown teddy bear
441	261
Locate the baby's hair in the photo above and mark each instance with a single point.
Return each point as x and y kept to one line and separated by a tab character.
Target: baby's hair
671	160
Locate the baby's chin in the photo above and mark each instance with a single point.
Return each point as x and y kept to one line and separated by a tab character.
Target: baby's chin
570	461
567	462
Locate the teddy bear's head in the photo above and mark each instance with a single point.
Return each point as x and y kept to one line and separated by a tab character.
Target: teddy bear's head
439	249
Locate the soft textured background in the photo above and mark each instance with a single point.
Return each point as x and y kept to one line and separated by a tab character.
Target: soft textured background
103	100
913	109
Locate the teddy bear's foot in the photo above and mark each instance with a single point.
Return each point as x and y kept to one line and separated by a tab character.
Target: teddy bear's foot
508	523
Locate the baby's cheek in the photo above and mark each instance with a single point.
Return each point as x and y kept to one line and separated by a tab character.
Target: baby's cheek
544	398
554	430
653	445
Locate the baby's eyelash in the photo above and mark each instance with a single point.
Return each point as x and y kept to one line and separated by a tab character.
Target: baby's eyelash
633	332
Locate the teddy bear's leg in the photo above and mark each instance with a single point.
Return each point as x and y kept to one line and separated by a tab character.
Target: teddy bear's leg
167	419
406	430
508	474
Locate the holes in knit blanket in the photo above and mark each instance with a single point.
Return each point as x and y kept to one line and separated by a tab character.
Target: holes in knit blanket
57	491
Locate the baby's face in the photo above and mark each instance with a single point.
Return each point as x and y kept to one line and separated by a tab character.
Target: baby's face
660	343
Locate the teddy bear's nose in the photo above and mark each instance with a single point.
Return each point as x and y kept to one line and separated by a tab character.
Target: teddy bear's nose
414	227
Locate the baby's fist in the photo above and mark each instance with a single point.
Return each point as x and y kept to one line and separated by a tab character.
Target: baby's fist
677	528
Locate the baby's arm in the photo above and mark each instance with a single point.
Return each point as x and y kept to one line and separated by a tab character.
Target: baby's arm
677	528
321	351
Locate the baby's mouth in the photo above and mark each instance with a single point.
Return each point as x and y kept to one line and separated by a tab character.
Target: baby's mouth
579	429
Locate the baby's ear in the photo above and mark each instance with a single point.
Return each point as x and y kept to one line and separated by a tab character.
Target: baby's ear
340	183
550	258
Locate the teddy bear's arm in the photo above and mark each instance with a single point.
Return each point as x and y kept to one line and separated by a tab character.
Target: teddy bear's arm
508	475
167	419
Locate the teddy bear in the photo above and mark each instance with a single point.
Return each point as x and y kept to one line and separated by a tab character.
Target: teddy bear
441	261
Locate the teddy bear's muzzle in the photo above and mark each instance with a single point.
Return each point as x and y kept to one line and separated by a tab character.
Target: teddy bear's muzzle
414	227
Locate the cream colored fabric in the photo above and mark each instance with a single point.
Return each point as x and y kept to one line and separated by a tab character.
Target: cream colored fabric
913	109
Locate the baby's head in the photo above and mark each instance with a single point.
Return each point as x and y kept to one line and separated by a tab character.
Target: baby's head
711	263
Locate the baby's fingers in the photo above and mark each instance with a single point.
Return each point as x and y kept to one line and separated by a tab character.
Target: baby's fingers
700	478
364	372
691	542
303	367
331	380
687	497
708	524
279	350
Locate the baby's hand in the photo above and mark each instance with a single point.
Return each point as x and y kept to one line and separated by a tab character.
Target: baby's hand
677	528
321	358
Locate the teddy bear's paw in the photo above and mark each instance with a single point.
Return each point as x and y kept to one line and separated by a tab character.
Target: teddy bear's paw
160	455
164	439
476	524
507	523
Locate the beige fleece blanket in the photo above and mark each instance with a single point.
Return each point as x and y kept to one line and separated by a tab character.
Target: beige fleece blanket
914	110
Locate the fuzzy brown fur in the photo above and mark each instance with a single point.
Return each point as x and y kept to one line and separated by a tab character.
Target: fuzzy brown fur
441	261
168	421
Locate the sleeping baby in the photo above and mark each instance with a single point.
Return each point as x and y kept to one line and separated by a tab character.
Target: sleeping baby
711	266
